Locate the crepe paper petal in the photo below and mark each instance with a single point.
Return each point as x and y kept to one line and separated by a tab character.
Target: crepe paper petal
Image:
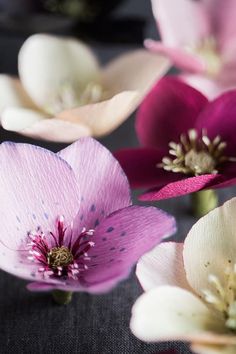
218	118
182	187
108	188
30	180
178	27
18	118
48	63
210	246
134	71
103	117
122	238
162	266
172	104
179	57
171	313
13	94
56	130
141	167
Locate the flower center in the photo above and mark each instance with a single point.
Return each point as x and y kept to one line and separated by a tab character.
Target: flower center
195	155
222	296
208	52
58	255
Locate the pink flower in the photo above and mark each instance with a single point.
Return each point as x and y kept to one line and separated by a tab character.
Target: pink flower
189	143
67	221
199	38
190	287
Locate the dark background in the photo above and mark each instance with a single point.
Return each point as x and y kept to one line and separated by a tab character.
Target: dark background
31	322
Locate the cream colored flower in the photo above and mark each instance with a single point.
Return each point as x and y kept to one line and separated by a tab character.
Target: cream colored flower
191	287
62	93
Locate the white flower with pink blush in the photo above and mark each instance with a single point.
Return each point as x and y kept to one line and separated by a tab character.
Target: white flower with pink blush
191	287
62	92
199	37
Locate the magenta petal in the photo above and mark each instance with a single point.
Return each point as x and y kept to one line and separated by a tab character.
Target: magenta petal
121	239
170	109
102	181
179	57
182	187
140	166
219	118
38	286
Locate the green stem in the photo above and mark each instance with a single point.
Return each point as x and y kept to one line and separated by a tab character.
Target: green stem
62	297
203	202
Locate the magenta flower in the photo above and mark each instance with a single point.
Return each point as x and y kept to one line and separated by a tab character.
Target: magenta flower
66	219
199	38
189	143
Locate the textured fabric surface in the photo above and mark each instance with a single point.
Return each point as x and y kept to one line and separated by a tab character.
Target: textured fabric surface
31	322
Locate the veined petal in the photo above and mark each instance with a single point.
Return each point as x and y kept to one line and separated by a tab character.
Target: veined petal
210	246
181	22
17	118
162	266
103	117
170	313
48	65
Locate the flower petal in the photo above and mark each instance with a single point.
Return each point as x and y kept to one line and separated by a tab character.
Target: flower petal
17	118
140	166
173	104
179	57
134	71
171	313
104	186
103	117
210	246
48	64
38	286
219	118
36	186
178	27
213	349
13	94
121	239
56	130
182	187
162	266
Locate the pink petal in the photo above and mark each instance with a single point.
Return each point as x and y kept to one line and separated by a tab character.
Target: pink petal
181	23
219	118
103	184
182	187
180	58
36	186
37	286
140	166
172	104
121	239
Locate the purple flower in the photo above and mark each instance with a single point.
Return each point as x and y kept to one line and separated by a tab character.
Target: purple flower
188	143
66	219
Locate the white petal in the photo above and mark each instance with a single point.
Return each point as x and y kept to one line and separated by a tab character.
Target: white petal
12	93
171	313
17	118
49	66
210	246
162	266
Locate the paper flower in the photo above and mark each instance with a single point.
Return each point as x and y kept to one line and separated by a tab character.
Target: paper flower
191	287
199	38
66	219
63	94
189	143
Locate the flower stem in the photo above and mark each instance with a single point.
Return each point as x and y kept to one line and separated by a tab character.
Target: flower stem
62	297
204	201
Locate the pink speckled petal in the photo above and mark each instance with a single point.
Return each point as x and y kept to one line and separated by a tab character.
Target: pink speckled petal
173	104
103	184
35	187
140	166
121	239
182	187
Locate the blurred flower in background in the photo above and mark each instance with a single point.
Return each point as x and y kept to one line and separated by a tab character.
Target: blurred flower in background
200	39
62	93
